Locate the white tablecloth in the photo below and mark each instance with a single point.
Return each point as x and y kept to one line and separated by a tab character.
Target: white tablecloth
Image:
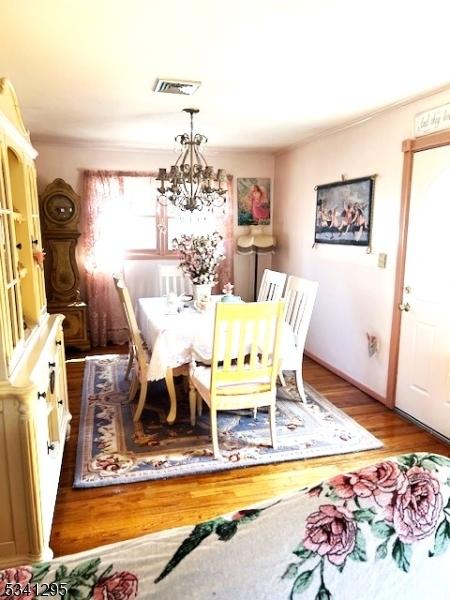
173	337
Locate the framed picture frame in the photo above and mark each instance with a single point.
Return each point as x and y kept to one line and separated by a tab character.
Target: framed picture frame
253	198
344	212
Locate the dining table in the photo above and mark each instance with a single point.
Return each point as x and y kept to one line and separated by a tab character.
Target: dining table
178	333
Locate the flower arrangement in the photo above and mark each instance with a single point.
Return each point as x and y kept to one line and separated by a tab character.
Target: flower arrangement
200	256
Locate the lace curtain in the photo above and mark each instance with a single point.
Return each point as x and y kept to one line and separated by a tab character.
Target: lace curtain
103	249
225	228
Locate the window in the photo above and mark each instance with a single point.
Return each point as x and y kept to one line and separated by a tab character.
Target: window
151	227
141	235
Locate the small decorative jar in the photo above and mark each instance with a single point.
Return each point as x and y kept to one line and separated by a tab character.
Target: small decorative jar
228	294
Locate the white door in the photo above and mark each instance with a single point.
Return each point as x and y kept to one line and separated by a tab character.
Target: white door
423	382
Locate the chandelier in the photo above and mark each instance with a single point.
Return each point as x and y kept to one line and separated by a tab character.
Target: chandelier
191	183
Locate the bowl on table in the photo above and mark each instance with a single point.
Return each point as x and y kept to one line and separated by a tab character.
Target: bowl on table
231	298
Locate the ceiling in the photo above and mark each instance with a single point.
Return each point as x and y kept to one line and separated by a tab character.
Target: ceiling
273	72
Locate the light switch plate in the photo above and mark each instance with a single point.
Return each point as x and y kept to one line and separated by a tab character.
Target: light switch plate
382	259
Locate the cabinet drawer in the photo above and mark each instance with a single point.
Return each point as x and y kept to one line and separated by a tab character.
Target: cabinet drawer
74	324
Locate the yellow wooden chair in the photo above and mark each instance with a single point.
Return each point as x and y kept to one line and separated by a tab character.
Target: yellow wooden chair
245	362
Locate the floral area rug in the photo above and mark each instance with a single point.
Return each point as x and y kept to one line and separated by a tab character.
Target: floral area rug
112	449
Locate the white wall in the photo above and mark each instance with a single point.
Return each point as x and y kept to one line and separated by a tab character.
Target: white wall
355	296
69	161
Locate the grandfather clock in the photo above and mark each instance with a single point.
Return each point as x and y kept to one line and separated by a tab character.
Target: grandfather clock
60	208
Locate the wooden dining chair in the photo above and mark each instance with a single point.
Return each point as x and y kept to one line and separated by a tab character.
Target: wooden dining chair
300	296
172	279
141	359
139	350
131	351
245	362
272	285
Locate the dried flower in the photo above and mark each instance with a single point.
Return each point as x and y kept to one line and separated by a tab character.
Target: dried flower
200	256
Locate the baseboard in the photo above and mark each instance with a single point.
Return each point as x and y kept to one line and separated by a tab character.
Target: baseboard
346	377
421	425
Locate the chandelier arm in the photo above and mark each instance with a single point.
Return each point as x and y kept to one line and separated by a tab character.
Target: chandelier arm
182	138
202	159
182	157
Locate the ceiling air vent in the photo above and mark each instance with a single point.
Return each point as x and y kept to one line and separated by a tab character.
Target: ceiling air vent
170	86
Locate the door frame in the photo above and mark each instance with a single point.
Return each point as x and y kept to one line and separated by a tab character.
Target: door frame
409	148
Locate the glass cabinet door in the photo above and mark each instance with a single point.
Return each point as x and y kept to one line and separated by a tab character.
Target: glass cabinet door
36	238
11	299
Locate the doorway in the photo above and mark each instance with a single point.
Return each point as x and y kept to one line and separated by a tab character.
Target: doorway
423	374
419	374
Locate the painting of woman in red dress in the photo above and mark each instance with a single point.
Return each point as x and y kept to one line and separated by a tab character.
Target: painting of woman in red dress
253	201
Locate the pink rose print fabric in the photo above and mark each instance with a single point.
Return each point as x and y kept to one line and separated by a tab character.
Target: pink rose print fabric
86	579
20	577
331	532
120	586
399	503
376	483
415	511
381	532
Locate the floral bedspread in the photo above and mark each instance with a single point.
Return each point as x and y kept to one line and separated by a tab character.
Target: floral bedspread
382	532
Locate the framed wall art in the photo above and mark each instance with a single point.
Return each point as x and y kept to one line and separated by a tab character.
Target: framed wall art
253	196
344	212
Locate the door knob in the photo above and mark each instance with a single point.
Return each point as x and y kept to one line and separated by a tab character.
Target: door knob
405	307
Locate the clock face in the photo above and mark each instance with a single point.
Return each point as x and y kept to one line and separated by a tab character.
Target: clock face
60	208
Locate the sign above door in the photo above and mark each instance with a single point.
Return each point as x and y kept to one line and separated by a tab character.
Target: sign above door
431	121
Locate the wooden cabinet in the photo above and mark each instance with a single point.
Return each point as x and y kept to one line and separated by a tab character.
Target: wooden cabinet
34	413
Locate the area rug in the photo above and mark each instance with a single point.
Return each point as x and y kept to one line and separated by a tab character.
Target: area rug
112	449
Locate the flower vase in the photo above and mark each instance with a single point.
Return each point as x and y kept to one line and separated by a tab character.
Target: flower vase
202	291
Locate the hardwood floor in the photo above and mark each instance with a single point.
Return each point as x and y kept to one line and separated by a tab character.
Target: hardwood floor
91	517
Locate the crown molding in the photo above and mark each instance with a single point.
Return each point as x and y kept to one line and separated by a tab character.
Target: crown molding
128	147
361	119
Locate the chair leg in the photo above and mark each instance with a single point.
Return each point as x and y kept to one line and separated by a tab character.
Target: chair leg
215	439
273	428
141	401
130	362
255	411
133	387
199	405
300	386
192	403
173	397
282	379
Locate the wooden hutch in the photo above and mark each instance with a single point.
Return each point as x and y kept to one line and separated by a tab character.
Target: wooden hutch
34	413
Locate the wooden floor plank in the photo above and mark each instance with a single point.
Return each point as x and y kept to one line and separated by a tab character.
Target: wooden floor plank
87	518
